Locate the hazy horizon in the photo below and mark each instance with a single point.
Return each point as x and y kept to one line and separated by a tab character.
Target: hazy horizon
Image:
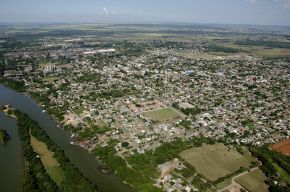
245	12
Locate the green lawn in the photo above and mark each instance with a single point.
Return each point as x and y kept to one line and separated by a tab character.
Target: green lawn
216	161
161	115
49	162
253	181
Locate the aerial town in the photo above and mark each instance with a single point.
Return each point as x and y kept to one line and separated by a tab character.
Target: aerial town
137	94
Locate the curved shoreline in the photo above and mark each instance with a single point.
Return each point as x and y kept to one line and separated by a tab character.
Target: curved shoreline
82	158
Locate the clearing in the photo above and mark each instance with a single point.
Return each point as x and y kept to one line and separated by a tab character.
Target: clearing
253	181
216	161
160	115
273	52
283	147
49	162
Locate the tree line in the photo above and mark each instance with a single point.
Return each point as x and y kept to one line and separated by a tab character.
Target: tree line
269	159
35	176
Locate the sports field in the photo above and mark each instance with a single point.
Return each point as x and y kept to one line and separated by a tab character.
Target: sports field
49	162
215	161
253	181
161	115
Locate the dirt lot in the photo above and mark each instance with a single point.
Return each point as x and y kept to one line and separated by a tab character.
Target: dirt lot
283	147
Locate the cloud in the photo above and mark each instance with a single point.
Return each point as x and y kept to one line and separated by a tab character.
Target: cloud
105	11
251	1
286	3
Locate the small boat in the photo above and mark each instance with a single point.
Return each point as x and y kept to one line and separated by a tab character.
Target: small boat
72	143
105	171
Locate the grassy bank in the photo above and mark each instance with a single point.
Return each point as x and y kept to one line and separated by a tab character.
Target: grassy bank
50	163
53	171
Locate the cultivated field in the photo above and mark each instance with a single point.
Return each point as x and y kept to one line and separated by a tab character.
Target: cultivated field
164	114
49	162
215	161
276	52
283	147
253	181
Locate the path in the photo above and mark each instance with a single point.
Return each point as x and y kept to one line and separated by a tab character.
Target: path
232	187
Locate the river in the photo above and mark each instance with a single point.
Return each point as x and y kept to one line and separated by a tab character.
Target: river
11	155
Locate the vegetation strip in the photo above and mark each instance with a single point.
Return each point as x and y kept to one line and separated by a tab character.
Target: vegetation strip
270	160
51	165
4	137
36	177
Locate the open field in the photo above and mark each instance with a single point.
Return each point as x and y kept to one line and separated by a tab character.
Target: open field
49	162
216	161
42	65
274	52
164	114
283	147
50	79
253	181
224	184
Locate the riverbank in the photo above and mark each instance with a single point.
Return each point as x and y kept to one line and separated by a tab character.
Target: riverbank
4	137
62	123
80	157
59	118
11	156
35	174
48	160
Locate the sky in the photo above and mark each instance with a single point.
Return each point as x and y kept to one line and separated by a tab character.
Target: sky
261	12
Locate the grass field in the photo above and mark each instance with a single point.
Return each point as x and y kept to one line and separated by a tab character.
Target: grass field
160	115
215	161
50	79
224	184
49	162
253	181
274	52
